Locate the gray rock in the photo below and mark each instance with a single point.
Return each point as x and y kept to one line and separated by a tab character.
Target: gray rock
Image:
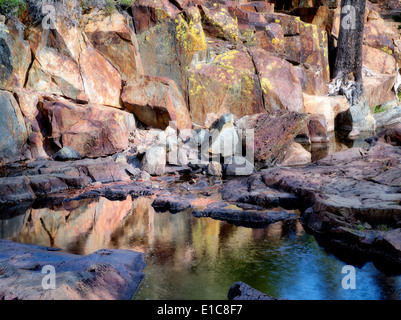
239	166
110	274
242	291
154	161
13	133
214	169
390	116
6	56
67	153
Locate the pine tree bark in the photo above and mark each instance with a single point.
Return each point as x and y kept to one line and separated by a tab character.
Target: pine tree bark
347	75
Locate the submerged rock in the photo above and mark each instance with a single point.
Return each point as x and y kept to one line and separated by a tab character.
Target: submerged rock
242	291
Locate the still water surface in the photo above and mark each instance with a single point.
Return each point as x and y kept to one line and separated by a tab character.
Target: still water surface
199	258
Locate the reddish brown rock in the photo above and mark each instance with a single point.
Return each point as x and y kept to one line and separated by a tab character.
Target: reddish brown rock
375	36
156	101
378	61
317	128
296	155
379	89
330	107
218	23
229	84
101	80
279	80
93	131
21	53
169	40
116	41
273	133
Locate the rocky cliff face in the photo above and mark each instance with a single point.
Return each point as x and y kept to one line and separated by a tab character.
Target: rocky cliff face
86	84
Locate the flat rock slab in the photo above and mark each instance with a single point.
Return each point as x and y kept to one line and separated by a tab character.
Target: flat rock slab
111	274
245	218
351	199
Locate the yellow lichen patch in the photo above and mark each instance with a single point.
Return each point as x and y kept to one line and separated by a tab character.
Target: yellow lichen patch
223	23
275	41
161	14
277	20
196	87
226	60
190	36
387	50
266	85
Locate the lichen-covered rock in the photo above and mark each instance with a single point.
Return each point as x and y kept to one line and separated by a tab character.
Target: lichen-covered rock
228	84
218	23
281	86
168	39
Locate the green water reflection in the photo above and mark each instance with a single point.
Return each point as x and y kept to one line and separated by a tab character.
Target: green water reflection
199	258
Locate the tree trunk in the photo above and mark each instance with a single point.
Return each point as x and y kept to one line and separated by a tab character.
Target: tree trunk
347	75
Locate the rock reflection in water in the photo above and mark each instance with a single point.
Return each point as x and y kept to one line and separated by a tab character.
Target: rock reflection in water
198	258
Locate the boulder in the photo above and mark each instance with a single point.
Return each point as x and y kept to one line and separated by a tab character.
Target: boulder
154	161
273	133
329	106
91	130
225	142
214	169
67	64
378	89
67	153
378	61
156	101
388	114
218	23
296	155
317	128
286	80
